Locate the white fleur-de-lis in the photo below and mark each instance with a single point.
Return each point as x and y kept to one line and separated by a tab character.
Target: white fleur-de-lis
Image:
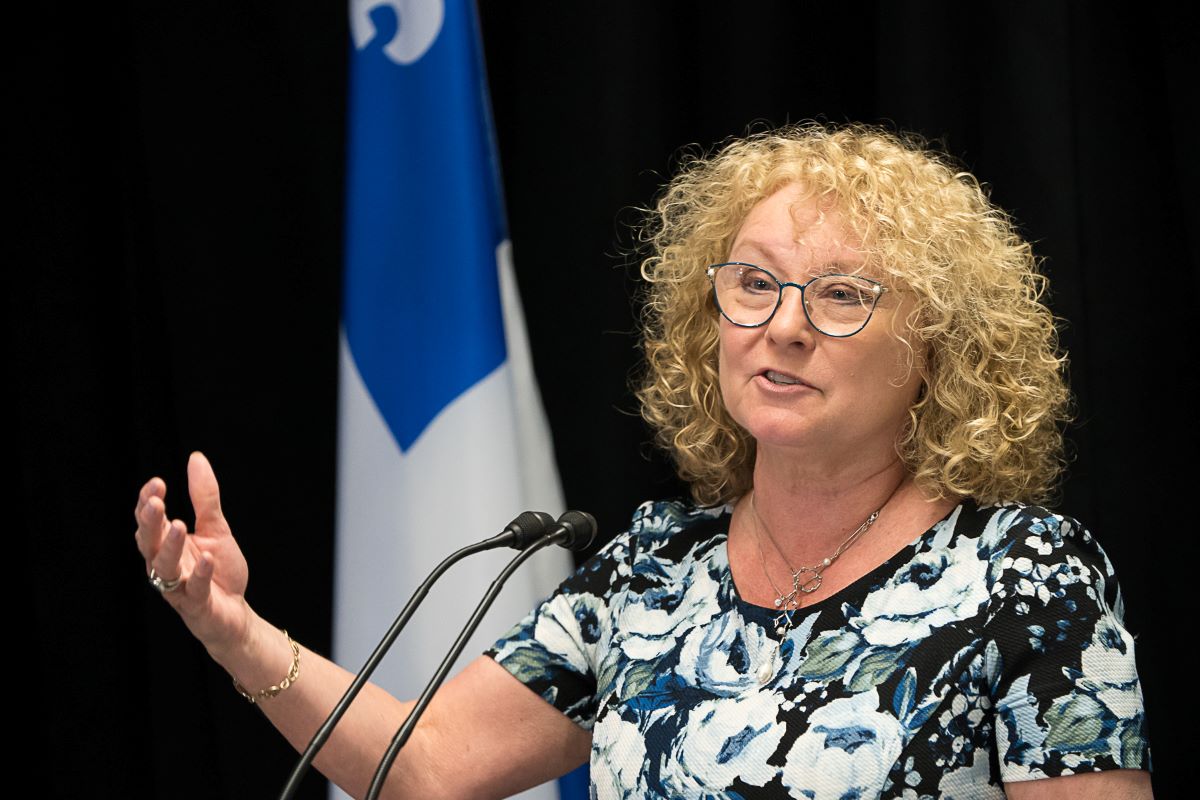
418	23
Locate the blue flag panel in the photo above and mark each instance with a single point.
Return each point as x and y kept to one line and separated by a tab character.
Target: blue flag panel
422	303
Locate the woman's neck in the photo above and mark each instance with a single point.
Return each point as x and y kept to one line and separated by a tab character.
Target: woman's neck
809	508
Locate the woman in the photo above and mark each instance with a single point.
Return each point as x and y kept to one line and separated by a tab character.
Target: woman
848	360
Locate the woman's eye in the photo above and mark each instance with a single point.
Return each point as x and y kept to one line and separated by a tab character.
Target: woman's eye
757	282
843	293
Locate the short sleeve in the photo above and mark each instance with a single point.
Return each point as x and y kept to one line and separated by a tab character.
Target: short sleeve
557	648
1068	695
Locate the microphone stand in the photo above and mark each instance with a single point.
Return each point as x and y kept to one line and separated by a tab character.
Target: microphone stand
326	730
410	724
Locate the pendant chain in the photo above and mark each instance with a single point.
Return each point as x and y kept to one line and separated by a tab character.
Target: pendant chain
808	585
788	602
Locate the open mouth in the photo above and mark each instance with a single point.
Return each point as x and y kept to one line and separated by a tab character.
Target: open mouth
780	379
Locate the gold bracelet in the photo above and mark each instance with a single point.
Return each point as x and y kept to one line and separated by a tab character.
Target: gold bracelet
271	691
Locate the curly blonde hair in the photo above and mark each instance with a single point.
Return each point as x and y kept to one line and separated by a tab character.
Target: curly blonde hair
987	423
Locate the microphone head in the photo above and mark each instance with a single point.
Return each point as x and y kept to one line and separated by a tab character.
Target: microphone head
528	527
579	528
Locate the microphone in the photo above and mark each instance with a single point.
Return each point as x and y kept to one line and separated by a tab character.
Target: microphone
529	528
573	530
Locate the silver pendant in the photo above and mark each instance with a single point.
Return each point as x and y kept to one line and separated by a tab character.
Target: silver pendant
766	672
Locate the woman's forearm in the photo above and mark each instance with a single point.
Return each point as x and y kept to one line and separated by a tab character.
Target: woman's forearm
350	757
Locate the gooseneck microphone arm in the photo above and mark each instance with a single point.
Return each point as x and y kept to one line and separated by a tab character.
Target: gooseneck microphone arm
519	534
574	530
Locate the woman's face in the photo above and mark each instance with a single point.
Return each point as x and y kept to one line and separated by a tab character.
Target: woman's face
791	386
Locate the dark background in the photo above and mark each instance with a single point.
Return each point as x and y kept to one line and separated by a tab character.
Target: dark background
176	268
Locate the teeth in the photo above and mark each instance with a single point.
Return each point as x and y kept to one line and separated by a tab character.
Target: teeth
783	380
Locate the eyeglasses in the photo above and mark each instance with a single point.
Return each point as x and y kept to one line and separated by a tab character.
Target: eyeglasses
836	305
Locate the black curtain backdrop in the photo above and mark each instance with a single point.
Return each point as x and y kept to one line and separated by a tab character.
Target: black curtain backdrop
176	270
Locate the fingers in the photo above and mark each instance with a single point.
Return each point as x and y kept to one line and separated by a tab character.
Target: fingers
206	495
167	548
153	488
166	561
152	526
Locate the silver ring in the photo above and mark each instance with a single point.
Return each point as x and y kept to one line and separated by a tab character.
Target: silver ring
164	586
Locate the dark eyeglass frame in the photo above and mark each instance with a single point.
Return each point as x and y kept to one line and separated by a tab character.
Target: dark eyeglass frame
879	290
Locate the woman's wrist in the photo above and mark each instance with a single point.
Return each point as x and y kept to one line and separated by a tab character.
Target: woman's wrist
274	689
261	658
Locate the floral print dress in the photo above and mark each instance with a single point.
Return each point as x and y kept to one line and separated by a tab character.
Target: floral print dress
989	650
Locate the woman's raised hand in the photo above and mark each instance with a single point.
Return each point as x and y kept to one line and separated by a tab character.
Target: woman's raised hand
208	564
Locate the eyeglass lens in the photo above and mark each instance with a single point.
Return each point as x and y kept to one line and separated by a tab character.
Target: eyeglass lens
837	305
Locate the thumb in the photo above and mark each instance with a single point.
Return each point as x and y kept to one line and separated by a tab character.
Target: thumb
206	495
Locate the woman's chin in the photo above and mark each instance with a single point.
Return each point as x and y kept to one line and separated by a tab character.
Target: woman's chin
785	434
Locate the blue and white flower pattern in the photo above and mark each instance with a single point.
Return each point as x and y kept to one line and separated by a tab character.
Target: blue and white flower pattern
989	650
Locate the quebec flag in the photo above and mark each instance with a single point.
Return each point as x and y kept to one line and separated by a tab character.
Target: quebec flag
442	438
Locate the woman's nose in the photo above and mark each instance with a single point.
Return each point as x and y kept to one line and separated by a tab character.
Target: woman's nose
790	322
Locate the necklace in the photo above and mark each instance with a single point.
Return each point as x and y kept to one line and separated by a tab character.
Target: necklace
789	602
813	581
